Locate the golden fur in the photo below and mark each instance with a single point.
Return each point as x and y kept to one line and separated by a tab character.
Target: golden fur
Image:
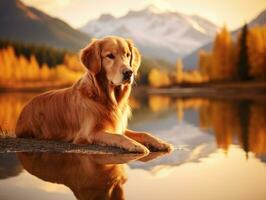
94	109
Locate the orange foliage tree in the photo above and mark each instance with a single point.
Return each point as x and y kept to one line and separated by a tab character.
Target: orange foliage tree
256	43
158	78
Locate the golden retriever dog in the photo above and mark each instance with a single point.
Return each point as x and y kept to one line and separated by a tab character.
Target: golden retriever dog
95	109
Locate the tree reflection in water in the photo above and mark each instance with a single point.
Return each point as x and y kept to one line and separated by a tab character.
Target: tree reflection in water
232	121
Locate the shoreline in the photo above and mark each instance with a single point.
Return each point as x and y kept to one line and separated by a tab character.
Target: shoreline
236	90
221	93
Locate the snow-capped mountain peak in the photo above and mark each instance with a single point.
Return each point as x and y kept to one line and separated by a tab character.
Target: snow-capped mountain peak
106	17
155	9
157	32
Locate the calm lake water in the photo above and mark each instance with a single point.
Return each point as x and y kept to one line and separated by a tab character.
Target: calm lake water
221	154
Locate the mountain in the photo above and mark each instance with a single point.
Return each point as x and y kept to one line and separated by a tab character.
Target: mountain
27	24
191	60
260	20
159	34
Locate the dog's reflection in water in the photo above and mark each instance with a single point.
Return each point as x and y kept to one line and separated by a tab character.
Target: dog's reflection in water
89	176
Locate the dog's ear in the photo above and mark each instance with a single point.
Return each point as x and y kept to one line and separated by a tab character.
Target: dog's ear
135	59
90	57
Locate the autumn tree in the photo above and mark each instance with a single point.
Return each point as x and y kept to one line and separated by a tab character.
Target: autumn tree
205	64
158	78
34	69
179	71
256	43
243	61
222	56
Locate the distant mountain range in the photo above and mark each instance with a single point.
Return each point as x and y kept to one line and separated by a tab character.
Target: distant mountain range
27	24
164	35
160	34
191	60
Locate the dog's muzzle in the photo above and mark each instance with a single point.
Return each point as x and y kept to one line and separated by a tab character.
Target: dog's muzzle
127	74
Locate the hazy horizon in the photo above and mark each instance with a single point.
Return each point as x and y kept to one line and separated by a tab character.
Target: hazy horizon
77	13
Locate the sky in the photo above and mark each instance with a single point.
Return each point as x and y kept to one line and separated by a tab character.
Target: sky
232	13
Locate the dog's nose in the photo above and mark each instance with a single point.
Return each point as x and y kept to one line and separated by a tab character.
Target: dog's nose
127	74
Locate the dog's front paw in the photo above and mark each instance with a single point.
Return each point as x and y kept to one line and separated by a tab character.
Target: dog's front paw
167	147
159	145
138	148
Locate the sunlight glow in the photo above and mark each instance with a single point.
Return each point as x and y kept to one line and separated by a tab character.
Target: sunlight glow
63	2
77	13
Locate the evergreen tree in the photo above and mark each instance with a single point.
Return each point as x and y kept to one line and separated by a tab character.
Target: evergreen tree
243	61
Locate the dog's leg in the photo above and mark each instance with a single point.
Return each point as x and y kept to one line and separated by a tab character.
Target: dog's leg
152	142
122	141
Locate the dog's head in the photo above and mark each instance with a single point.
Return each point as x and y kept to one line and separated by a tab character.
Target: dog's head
118	58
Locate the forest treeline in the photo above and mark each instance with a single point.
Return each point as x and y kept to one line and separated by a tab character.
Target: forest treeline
43	54
242	59
231	59
23	64
29	65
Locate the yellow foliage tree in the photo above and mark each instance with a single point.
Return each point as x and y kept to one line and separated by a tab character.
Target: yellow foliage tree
73	63
34	69
159	78
44	72
179	71
19	71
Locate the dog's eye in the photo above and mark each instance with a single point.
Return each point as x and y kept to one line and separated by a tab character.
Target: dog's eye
128	55
111	56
